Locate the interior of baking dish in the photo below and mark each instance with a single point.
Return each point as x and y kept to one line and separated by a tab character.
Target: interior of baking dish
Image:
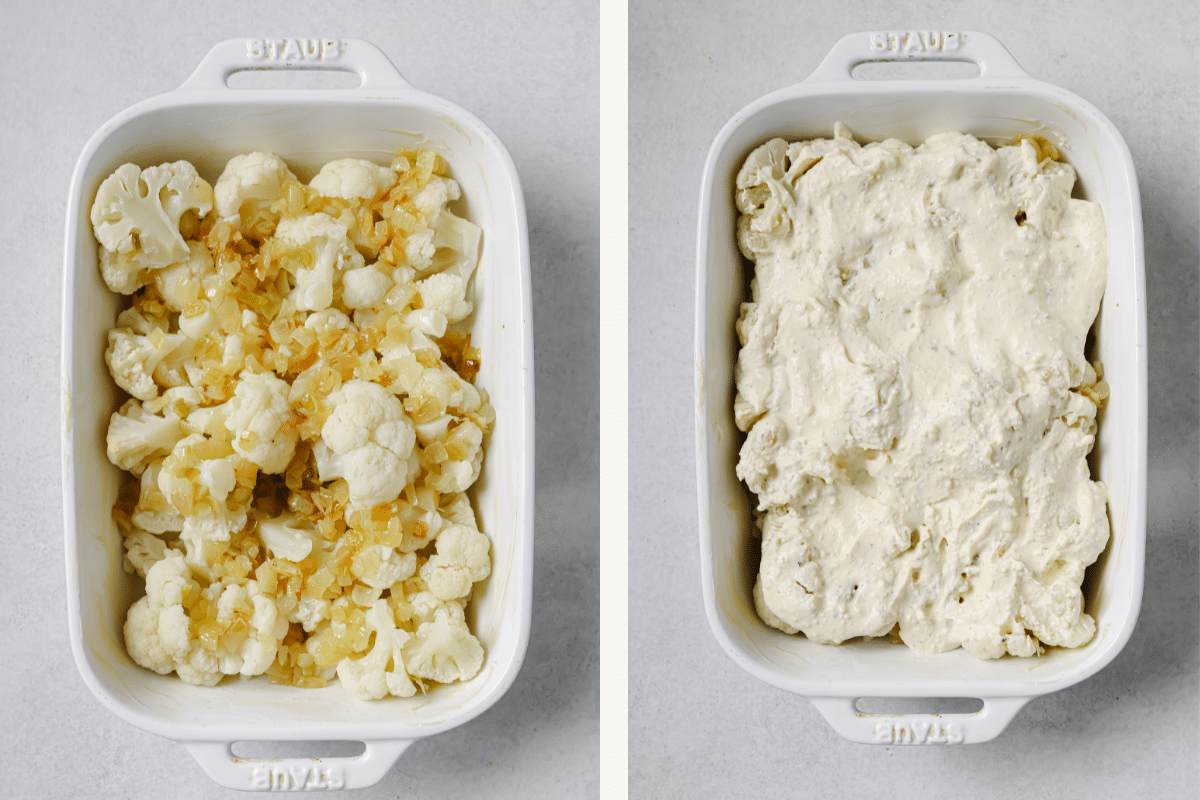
912	112
306	133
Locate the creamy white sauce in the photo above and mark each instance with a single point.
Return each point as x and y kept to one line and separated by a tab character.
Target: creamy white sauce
913	383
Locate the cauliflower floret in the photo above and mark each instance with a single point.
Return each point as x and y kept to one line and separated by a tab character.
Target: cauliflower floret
364	287
260	418
201	324
453	464
374	438
287	536
124	273
437	193
456	241
328	321
136	437
419	607
381	567
353	179
419	249
154	511
333	251
462	559
247	188
137	215
763	197
132	358
420	522
381	672
456	509
446	292
404	359
210	485
179	283
209	421
201	667
143	550
311	612
443	650
156	627
248	613
178	401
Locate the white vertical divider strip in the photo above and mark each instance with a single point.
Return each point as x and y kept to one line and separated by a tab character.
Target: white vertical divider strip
614	400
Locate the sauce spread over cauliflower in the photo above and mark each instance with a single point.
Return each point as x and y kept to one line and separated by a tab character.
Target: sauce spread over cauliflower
304	422
914	389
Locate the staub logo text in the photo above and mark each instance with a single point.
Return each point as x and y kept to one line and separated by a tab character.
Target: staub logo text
293	49
914	732
296	778
916	41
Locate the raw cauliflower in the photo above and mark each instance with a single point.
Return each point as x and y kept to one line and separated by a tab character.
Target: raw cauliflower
453	463
156	627
143	550
353	179
446	292
136	437
154	512
135	349
201	479
333	253
260	418
443	650
137	216
287	536
381	672
462	559
255	616
304	421
372	438
247	188
179	283
364	287
381	567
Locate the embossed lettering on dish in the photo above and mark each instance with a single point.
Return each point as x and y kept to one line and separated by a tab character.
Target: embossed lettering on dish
916	41
918	732
294	49
296	778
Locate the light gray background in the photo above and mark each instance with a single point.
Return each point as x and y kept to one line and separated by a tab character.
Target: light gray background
699	725
530	71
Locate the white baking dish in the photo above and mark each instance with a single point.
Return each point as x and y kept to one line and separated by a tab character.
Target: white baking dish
1002	102
206	122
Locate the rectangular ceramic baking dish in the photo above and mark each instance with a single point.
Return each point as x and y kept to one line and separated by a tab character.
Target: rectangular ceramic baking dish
206	122
1000	103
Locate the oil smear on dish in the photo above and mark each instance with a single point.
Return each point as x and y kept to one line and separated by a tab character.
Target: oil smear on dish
914	388
303	424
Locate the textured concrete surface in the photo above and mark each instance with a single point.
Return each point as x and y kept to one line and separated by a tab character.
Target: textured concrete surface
699	725
530	71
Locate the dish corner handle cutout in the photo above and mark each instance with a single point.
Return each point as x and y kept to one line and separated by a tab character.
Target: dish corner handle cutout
919	729
373	68
297	774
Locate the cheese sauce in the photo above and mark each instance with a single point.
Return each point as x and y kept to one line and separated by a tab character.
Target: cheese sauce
913	384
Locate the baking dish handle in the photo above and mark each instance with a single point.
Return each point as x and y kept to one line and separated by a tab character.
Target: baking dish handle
904	729
297	774
986	52
374	68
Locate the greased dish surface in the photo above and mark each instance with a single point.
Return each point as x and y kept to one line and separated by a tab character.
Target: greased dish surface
1002	103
